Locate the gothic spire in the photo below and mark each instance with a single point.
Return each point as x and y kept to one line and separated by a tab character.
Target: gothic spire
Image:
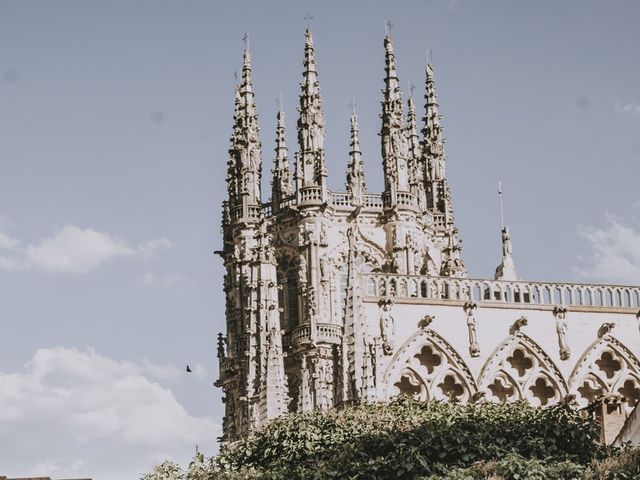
310	162
232	181
281	183
394	142
414	161
355	170
246	148
433	143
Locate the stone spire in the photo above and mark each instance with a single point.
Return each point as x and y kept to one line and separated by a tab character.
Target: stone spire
246	148
281	182
414	161
394	141
234	147
433	144
507	269
355	170
310	163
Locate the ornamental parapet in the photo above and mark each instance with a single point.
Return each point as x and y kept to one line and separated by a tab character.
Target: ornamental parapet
500	291
325	333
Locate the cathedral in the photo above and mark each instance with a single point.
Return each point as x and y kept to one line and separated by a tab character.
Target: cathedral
359	296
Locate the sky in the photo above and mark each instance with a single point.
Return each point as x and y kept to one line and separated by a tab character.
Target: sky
115	120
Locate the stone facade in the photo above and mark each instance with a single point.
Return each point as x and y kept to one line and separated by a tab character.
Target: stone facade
347	296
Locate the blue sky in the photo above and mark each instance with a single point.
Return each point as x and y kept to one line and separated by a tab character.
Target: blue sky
114	126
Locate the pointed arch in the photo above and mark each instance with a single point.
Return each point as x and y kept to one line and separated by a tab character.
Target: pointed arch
606	367
429	368
518	369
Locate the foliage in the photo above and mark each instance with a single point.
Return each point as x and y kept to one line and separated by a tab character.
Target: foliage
408	439
621	464
167	470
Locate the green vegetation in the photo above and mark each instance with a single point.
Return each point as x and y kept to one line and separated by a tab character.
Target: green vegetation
407	439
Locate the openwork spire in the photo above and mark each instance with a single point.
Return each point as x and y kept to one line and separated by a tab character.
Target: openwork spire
310	168
355	169
246	148
394	141
281	183
433	143
234	147
414	161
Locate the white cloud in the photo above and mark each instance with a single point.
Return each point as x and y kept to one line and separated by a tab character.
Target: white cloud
615	252
632	107
164	281
8	243
73	249
76	250
151	248
75	413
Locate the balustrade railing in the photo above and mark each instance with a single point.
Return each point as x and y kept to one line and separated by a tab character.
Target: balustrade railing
515	292
325	333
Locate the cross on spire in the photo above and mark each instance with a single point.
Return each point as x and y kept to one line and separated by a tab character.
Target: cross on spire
245	39
387	27
308	17
412	87
352	105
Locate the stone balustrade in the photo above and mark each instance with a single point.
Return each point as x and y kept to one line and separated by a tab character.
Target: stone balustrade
325	333
500	291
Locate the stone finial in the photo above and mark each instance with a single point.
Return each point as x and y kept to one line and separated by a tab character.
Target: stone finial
281	182
355	170
507	269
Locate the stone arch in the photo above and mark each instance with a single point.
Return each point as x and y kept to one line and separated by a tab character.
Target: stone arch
429	368
606	367
518	369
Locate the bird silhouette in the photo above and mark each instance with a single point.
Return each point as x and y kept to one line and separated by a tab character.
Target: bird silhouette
188	369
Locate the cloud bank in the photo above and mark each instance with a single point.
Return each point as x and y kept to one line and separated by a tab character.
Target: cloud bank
75	413
73	249
615	252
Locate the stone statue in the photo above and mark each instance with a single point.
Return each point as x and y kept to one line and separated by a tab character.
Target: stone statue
506	242
302	270
323	235
561	328
387	327
472	324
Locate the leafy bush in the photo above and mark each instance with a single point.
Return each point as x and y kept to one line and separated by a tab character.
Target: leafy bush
408	439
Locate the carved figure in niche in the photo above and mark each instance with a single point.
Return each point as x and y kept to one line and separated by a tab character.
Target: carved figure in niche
506	242
302	270
325	270
313	302
561	328
387	326
399	237
323	235
472	324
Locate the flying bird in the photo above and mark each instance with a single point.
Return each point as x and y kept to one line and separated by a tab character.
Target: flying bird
188	369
